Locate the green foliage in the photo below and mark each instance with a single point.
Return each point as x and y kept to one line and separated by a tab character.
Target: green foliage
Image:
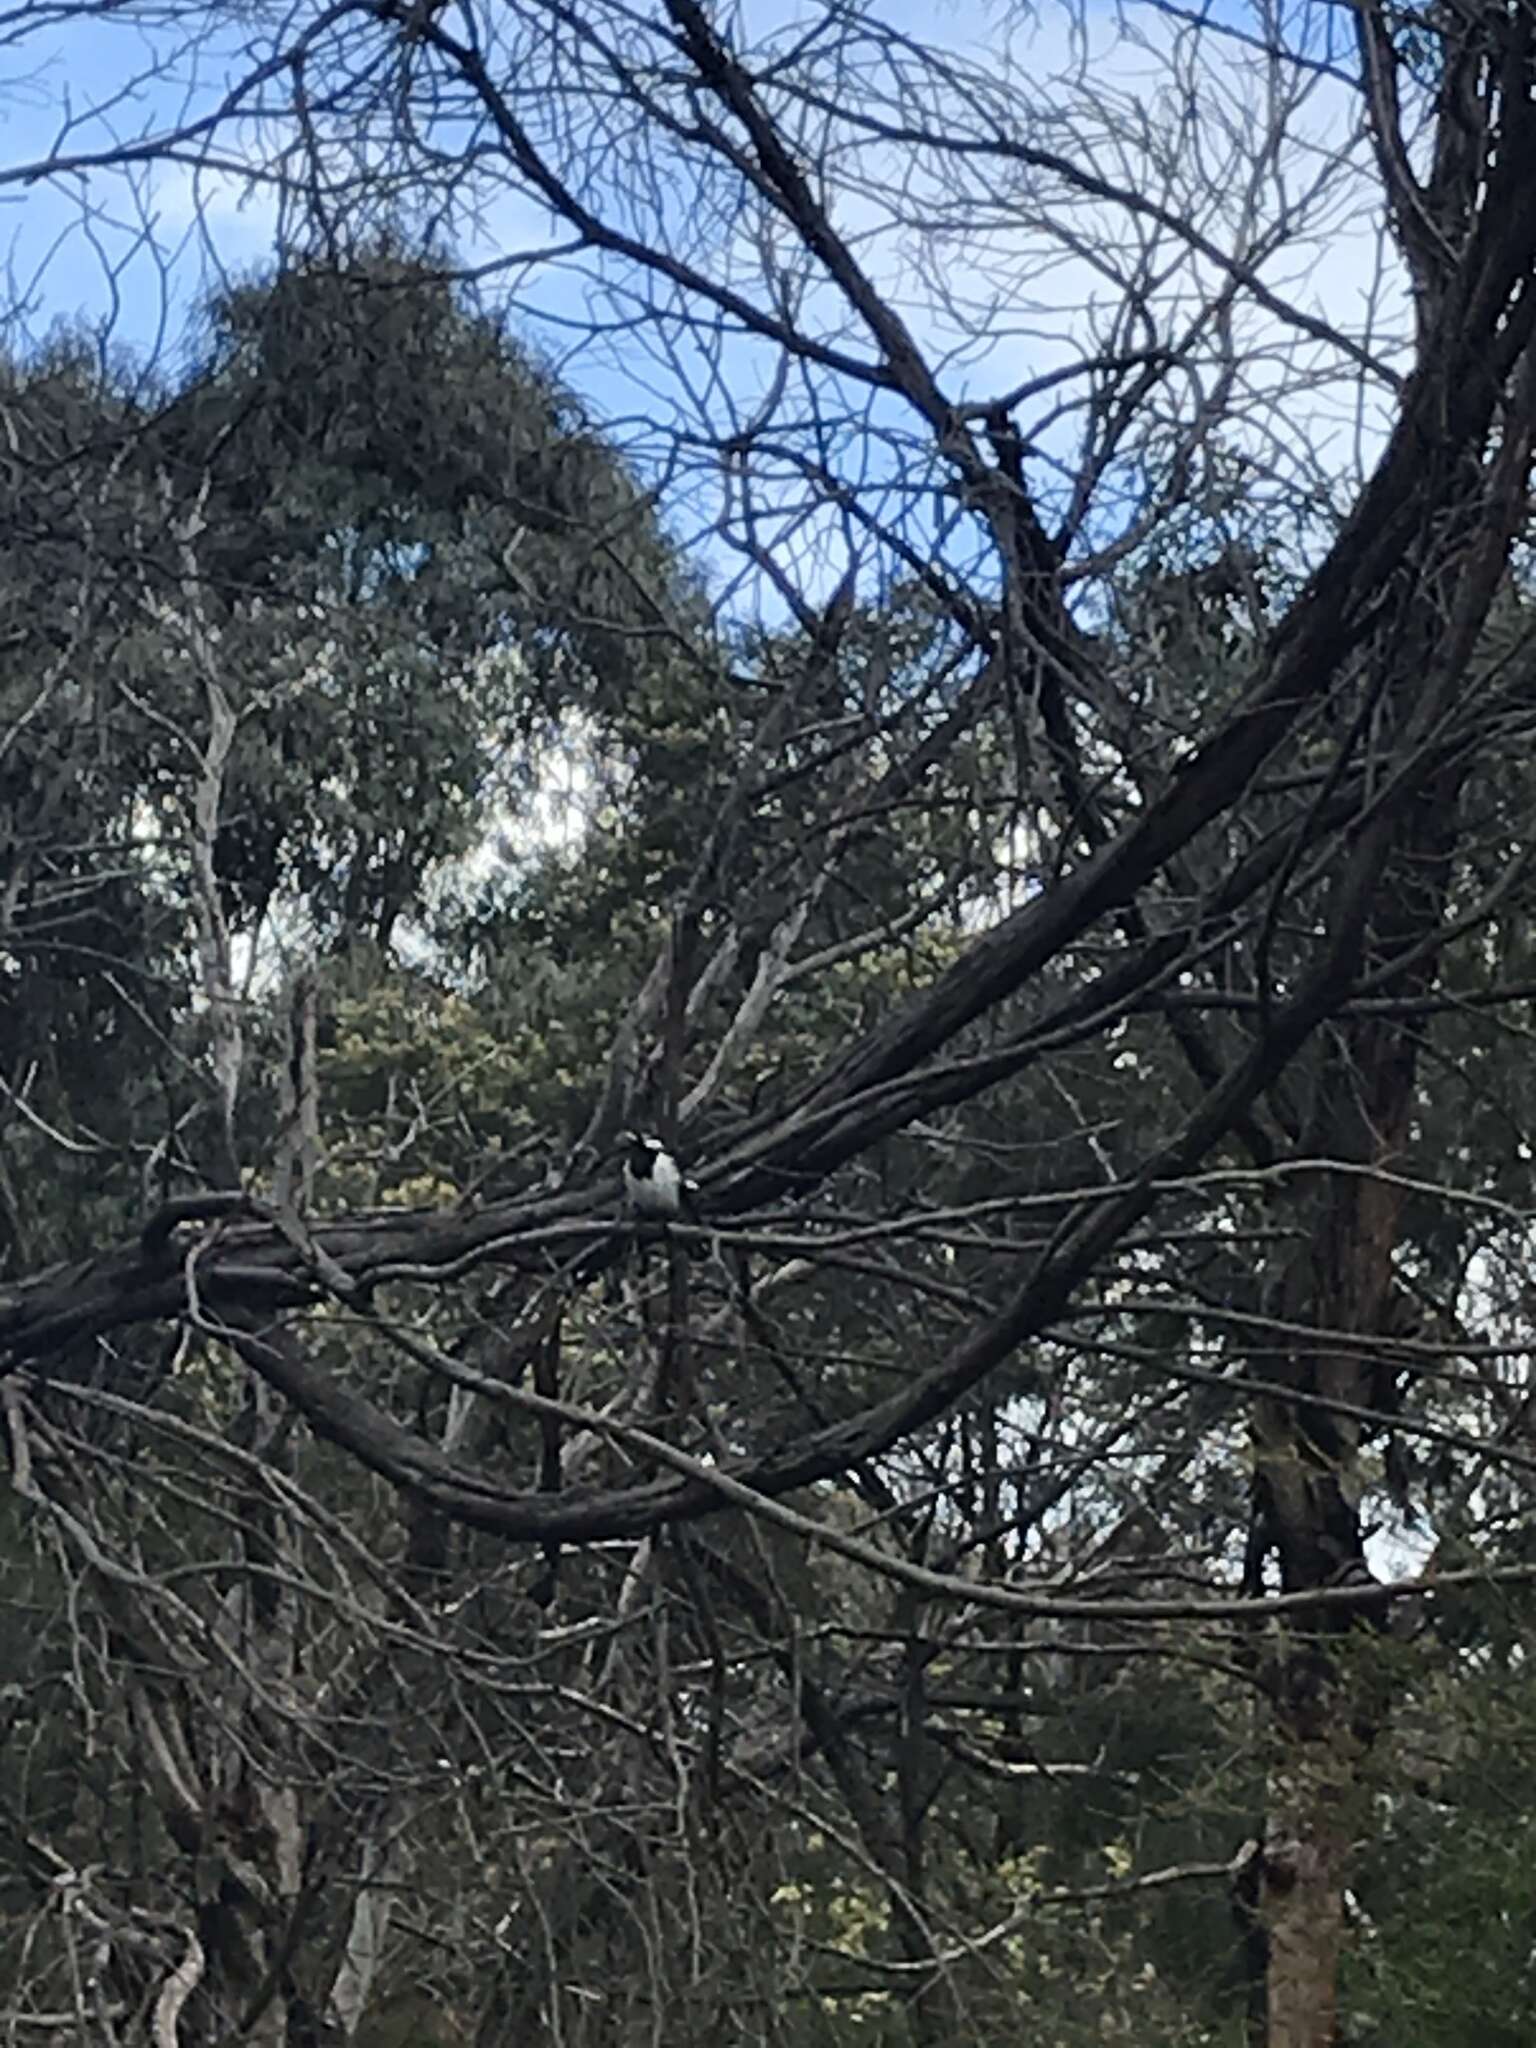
393	546
1447	1950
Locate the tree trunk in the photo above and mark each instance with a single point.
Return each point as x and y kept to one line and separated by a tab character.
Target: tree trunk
1315	1819
1329	1710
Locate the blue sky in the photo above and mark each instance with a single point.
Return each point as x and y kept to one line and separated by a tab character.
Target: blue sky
137	255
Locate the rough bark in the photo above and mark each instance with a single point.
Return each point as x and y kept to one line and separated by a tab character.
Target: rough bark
1328	1713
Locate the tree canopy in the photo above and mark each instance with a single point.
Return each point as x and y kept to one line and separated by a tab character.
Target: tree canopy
866	598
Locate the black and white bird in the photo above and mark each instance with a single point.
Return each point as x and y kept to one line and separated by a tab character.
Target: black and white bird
654	1186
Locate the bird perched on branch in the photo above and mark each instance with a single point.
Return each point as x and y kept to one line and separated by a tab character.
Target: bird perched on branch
654	1186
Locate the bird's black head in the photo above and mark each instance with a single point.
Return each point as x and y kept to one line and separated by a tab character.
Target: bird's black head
641	1151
